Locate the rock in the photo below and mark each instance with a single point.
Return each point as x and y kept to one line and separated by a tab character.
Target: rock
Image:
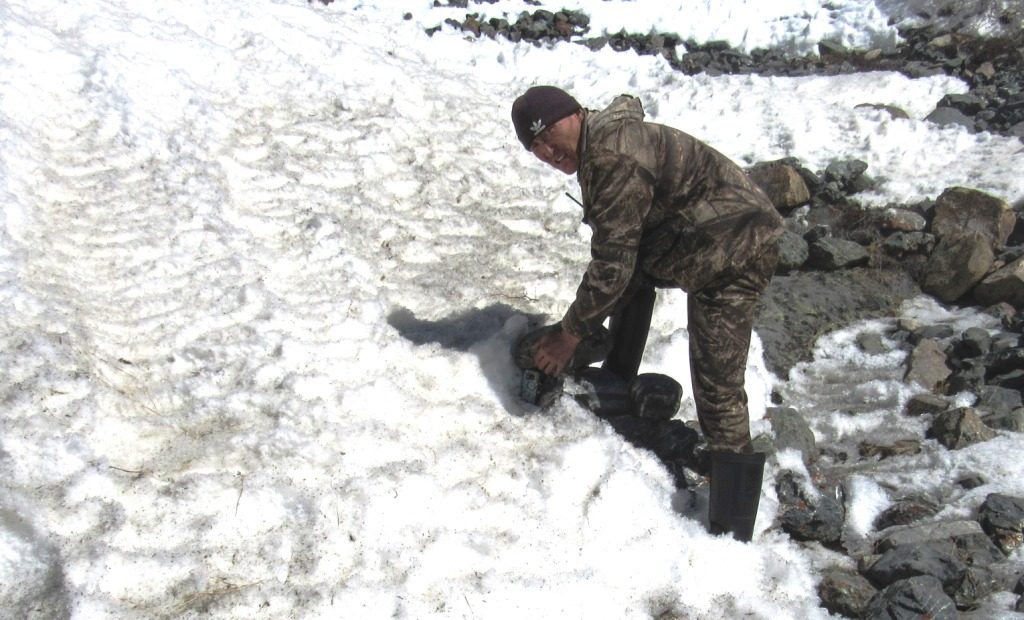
1002	518
968	376
974	342
903	220
911	599
1007	421
965	539
845	593
830	254
900	244
959	210
1005	285
1004	361
894	112
845	172
959	428
783	183
803	517
901	447
951	116
968	104
999	400
977	583
792	431
905	511
913	560
926	365
925	404
871	343
793	252
958	262
655	396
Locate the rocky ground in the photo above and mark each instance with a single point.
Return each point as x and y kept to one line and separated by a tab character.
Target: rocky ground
842	263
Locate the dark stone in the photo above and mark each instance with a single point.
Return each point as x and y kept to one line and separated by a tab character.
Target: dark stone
793	252
902	243
951	116
1002	518
913	560
845	172
957	263
845	593
871	343
974	342
959	428
999	400
977	583
905	511
792	431
817	518
926	403
1005	361
912	599
830	254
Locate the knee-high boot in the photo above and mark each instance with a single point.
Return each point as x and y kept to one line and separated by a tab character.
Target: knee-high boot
735	493
629	327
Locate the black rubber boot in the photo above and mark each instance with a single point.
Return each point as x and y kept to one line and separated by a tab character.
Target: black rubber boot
735	493
629	327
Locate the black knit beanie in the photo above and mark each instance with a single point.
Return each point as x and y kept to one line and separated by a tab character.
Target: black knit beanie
539	108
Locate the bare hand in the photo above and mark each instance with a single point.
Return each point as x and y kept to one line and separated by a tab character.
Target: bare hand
553	352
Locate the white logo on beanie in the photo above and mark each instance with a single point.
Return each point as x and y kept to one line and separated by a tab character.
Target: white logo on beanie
537	126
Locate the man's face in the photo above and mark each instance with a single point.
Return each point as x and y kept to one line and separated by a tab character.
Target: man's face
556	145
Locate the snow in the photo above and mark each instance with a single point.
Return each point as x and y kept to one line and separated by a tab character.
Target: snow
261	265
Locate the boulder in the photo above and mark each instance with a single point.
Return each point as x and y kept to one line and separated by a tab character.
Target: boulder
958	262
1002	518
925	403
793	251
951	116
806	517
965	539
845	593
905	511
782	183
959	210
902	220
830	254
914	560
792	431
959	428
912	599
1004	285
926	365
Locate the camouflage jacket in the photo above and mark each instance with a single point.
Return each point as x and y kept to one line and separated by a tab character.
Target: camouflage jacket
664	208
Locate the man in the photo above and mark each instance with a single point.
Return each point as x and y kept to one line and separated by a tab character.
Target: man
665	210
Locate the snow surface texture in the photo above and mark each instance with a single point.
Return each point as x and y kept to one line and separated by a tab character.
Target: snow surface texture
261	265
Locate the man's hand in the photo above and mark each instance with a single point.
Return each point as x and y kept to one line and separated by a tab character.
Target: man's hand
553	352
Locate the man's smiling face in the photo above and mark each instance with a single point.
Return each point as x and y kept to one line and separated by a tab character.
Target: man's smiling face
557	145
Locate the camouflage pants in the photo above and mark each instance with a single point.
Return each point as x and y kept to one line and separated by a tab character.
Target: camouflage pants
721	319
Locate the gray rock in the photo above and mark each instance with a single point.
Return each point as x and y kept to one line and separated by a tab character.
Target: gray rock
905	511
902	220
999	400
792	431
845	172
951	116
926	365
905	561
926	404
912	599
959	428
793	252
871	343
960	210
830	254
977	583
845	593
1007	421
1005	285
803	517
974	342
965	539
782	183
1002	518
1005	361
902	243
956	265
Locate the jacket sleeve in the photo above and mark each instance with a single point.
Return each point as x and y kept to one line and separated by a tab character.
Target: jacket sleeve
618	197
